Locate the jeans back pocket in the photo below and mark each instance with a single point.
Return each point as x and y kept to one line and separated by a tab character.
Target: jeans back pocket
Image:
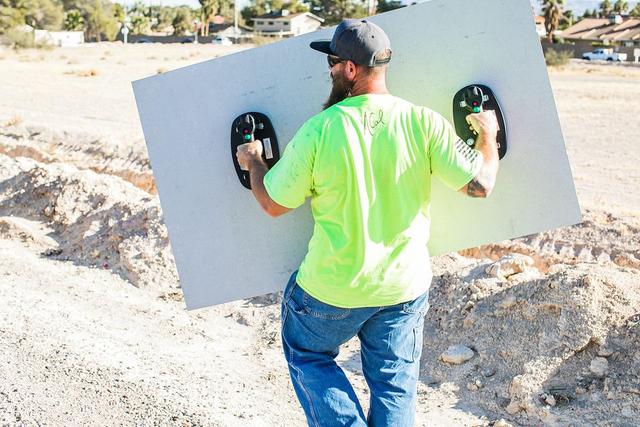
303	303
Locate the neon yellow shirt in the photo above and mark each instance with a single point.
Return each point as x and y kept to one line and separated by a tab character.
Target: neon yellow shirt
366	163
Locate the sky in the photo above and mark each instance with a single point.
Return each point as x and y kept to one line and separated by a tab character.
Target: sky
578	6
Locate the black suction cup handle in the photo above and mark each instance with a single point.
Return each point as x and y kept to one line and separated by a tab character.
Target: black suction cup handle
474	99
471	99
248	128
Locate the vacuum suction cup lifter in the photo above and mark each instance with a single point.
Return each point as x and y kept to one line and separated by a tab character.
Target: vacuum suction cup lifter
248	127
474	99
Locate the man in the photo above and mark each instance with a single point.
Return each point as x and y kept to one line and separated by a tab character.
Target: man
365	162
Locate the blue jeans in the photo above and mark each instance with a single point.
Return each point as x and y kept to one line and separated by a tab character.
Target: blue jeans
391	345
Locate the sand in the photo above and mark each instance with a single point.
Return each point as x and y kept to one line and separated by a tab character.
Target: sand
93	327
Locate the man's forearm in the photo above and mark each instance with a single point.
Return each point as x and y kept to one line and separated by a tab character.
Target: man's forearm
482	184
257	170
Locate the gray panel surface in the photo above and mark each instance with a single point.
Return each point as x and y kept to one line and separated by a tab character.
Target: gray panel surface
226	248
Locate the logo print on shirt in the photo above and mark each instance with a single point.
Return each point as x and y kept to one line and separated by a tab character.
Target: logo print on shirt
372	121
467	152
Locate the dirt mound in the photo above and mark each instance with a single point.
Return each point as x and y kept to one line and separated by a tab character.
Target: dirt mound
601	237
95	220
541	329
127	161
553	349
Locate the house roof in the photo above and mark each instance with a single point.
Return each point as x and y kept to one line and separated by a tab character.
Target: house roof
585	26
628	24
228	29
539	20
278	16
633	34
602	29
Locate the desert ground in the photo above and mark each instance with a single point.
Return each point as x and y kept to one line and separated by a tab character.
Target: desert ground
93	329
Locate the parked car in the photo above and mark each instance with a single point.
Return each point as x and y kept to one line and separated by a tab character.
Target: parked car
144	40
222	40
187	40
604	55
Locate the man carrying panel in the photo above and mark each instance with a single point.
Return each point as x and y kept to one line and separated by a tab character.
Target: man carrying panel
366	162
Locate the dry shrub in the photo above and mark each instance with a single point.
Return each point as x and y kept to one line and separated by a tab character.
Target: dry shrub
555	58
262	40
63	57
19	39
12	121
44	46
83	73
161	70
151	58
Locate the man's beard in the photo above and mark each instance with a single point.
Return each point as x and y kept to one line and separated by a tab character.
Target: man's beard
339	90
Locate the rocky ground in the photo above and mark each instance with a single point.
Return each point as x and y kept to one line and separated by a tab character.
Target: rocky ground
543	329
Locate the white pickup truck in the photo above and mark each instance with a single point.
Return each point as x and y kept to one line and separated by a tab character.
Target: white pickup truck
604	55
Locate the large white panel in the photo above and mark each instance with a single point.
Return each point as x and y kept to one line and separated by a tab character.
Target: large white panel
227	249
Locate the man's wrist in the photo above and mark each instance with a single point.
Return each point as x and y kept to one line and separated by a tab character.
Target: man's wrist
488	134
255	162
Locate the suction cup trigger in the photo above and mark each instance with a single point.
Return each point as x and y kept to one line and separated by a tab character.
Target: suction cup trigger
474	99
248	127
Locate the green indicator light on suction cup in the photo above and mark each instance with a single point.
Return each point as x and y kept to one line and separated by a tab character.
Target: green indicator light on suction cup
247	137
476	109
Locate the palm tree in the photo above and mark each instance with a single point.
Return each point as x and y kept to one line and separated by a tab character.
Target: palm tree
635	12
207	11
620	7
553	14
73	20
210	8
605	8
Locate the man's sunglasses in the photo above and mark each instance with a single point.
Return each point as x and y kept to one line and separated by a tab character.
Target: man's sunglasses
334	60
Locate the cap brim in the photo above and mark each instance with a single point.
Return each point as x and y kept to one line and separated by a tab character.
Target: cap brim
322	46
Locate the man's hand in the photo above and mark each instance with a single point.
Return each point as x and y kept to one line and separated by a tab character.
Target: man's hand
484	123
250	159
248	154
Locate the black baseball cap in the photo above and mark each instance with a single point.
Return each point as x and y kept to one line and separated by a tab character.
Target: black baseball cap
357	40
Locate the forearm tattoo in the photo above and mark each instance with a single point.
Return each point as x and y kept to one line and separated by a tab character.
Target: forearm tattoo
476	189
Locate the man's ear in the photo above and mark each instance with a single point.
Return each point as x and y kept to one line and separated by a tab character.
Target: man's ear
351	69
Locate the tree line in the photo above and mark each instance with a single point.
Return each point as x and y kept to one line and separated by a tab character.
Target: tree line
99	19
102	19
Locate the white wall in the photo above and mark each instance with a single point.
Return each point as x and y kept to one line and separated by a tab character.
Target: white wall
59	38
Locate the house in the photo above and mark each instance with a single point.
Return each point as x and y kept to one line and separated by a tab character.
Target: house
239	34
615	30
285	24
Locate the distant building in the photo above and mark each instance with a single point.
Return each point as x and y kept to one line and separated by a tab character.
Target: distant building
59	38
605	30
285	24
237	35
